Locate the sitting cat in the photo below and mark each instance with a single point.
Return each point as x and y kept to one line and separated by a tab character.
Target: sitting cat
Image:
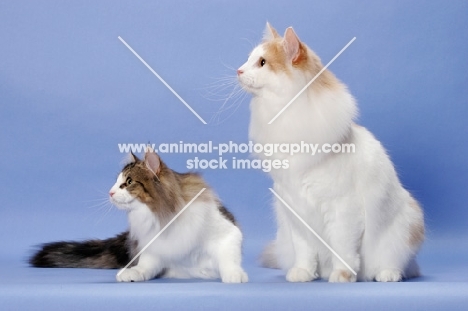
354	201
203	242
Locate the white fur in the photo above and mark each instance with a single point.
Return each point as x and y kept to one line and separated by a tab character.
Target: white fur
200	243
355	202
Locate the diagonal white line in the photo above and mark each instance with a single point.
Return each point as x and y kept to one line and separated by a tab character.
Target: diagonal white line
162	230
162	80
312	230
311	81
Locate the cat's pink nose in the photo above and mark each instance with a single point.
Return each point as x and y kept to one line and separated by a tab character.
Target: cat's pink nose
111	193
239	72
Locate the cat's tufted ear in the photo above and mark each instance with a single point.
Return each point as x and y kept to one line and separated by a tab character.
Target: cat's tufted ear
292	44
270	33
152	161
133	158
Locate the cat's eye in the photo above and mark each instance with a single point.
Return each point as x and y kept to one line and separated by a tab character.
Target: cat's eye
261	62
127	183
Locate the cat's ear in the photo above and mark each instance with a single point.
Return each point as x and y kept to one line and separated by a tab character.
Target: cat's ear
270	33
292	44
133	158
152	161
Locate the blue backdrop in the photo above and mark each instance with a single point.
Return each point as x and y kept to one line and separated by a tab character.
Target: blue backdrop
70	92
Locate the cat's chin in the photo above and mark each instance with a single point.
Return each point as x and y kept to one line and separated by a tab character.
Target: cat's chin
125	206
249	88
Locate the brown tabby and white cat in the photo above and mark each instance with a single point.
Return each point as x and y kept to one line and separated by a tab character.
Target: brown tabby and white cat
354	201
203	242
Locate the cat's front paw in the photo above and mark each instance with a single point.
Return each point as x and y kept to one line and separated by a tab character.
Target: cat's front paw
296	274
341	276
130	275
388	275
235	276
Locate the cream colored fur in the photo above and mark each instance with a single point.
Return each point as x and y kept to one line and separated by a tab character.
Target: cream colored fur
355	201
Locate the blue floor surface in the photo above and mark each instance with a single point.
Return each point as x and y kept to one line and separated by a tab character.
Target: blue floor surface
443	286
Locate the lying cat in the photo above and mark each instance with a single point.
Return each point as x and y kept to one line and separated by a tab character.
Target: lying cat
203	242
354	201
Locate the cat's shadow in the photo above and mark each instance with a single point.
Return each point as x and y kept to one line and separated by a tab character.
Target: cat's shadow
166	281
276	279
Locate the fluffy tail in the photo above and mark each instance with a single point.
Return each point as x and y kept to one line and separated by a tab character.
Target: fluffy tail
105	254
268	259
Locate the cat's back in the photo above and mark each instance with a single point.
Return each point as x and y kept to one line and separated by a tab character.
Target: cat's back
369	156
191	184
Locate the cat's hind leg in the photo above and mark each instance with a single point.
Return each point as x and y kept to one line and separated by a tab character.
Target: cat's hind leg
394	256
392	260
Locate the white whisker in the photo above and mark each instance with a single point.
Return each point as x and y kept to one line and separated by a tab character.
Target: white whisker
227	91
101	206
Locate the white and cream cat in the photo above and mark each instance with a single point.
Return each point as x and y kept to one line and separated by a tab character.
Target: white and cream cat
354	201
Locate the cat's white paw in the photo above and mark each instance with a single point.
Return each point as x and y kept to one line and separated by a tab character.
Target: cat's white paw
130	275
388	275
235	276
341	276
296	274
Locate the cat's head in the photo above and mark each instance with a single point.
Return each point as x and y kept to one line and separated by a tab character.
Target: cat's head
147	182
277	63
